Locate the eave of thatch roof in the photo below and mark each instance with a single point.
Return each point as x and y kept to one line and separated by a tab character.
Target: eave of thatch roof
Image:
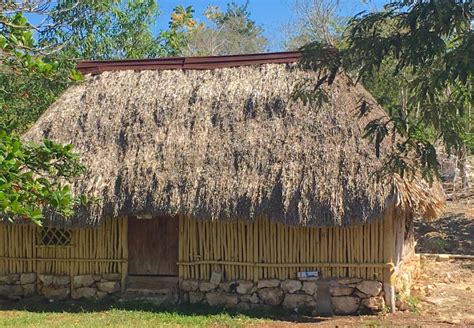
222	144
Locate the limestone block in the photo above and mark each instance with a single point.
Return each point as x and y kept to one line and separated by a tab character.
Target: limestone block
57	294
348	281
291	286
370	287
268	283
341	291
345	304
83	281
375	304
205	286
109	287
11	290
189	285
250	298
195	297
84	292
29	289
309	287
9	279
294	301
28	278
228	286
271	296
46	279
60	281
244	286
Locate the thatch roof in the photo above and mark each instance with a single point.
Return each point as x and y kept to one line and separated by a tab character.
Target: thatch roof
222	143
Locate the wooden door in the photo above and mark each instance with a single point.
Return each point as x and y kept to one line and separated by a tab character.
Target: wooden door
153	246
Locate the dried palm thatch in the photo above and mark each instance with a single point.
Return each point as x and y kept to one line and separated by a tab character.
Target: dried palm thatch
222	144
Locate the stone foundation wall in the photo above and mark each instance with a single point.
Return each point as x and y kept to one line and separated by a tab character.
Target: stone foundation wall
15	286
406	274
323	296
59	287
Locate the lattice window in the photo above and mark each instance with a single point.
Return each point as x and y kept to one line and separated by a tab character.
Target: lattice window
54	237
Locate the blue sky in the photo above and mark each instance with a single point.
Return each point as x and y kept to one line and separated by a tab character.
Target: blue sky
272	15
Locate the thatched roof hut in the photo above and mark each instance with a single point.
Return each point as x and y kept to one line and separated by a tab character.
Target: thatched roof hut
214	180
223	143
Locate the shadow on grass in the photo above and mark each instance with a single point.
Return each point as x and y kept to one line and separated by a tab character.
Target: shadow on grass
40	305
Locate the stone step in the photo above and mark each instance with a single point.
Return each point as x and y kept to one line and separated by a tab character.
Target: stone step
152	284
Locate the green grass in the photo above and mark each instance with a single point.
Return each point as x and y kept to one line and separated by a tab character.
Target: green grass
40	313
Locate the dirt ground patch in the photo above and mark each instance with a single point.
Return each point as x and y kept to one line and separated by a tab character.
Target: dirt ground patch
453	233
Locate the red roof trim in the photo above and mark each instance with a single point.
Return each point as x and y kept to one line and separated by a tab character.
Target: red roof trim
97	66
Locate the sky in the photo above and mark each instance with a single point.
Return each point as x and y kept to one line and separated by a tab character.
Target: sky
272	15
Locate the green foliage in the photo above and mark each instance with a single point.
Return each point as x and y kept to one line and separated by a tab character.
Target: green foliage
231	32
33	178
108	29
30	178
417	57
174	40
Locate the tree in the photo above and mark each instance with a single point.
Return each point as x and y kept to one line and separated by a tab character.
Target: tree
230	32
428	47
316	20
101	30
33	177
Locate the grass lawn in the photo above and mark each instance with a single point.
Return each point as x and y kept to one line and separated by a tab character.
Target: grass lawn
40	313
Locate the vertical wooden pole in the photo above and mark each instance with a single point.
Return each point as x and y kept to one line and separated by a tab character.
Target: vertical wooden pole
389	251
125	254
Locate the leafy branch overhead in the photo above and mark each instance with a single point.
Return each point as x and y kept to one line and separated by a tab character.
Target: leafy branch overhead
425	49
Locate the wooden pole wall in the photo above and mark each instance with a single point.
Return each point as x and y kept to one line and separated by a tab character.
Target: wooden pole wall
91	251
265	250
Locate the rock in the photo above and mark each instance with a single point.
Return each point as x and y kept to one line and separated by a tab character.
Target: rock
96	277
443	258
57	294
46	279
348	281
271	296
100	295
375	304
359	294
250	298
11	290
243	306
84	292
205	286
220	299
28	278
294	301
309	287
341	291
228	286
231	300
189	285
345	304
269	283
402	306
29	289
109	287
60	281
244	286
291	286
112	276
9	279
195	297
82	281
370	287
